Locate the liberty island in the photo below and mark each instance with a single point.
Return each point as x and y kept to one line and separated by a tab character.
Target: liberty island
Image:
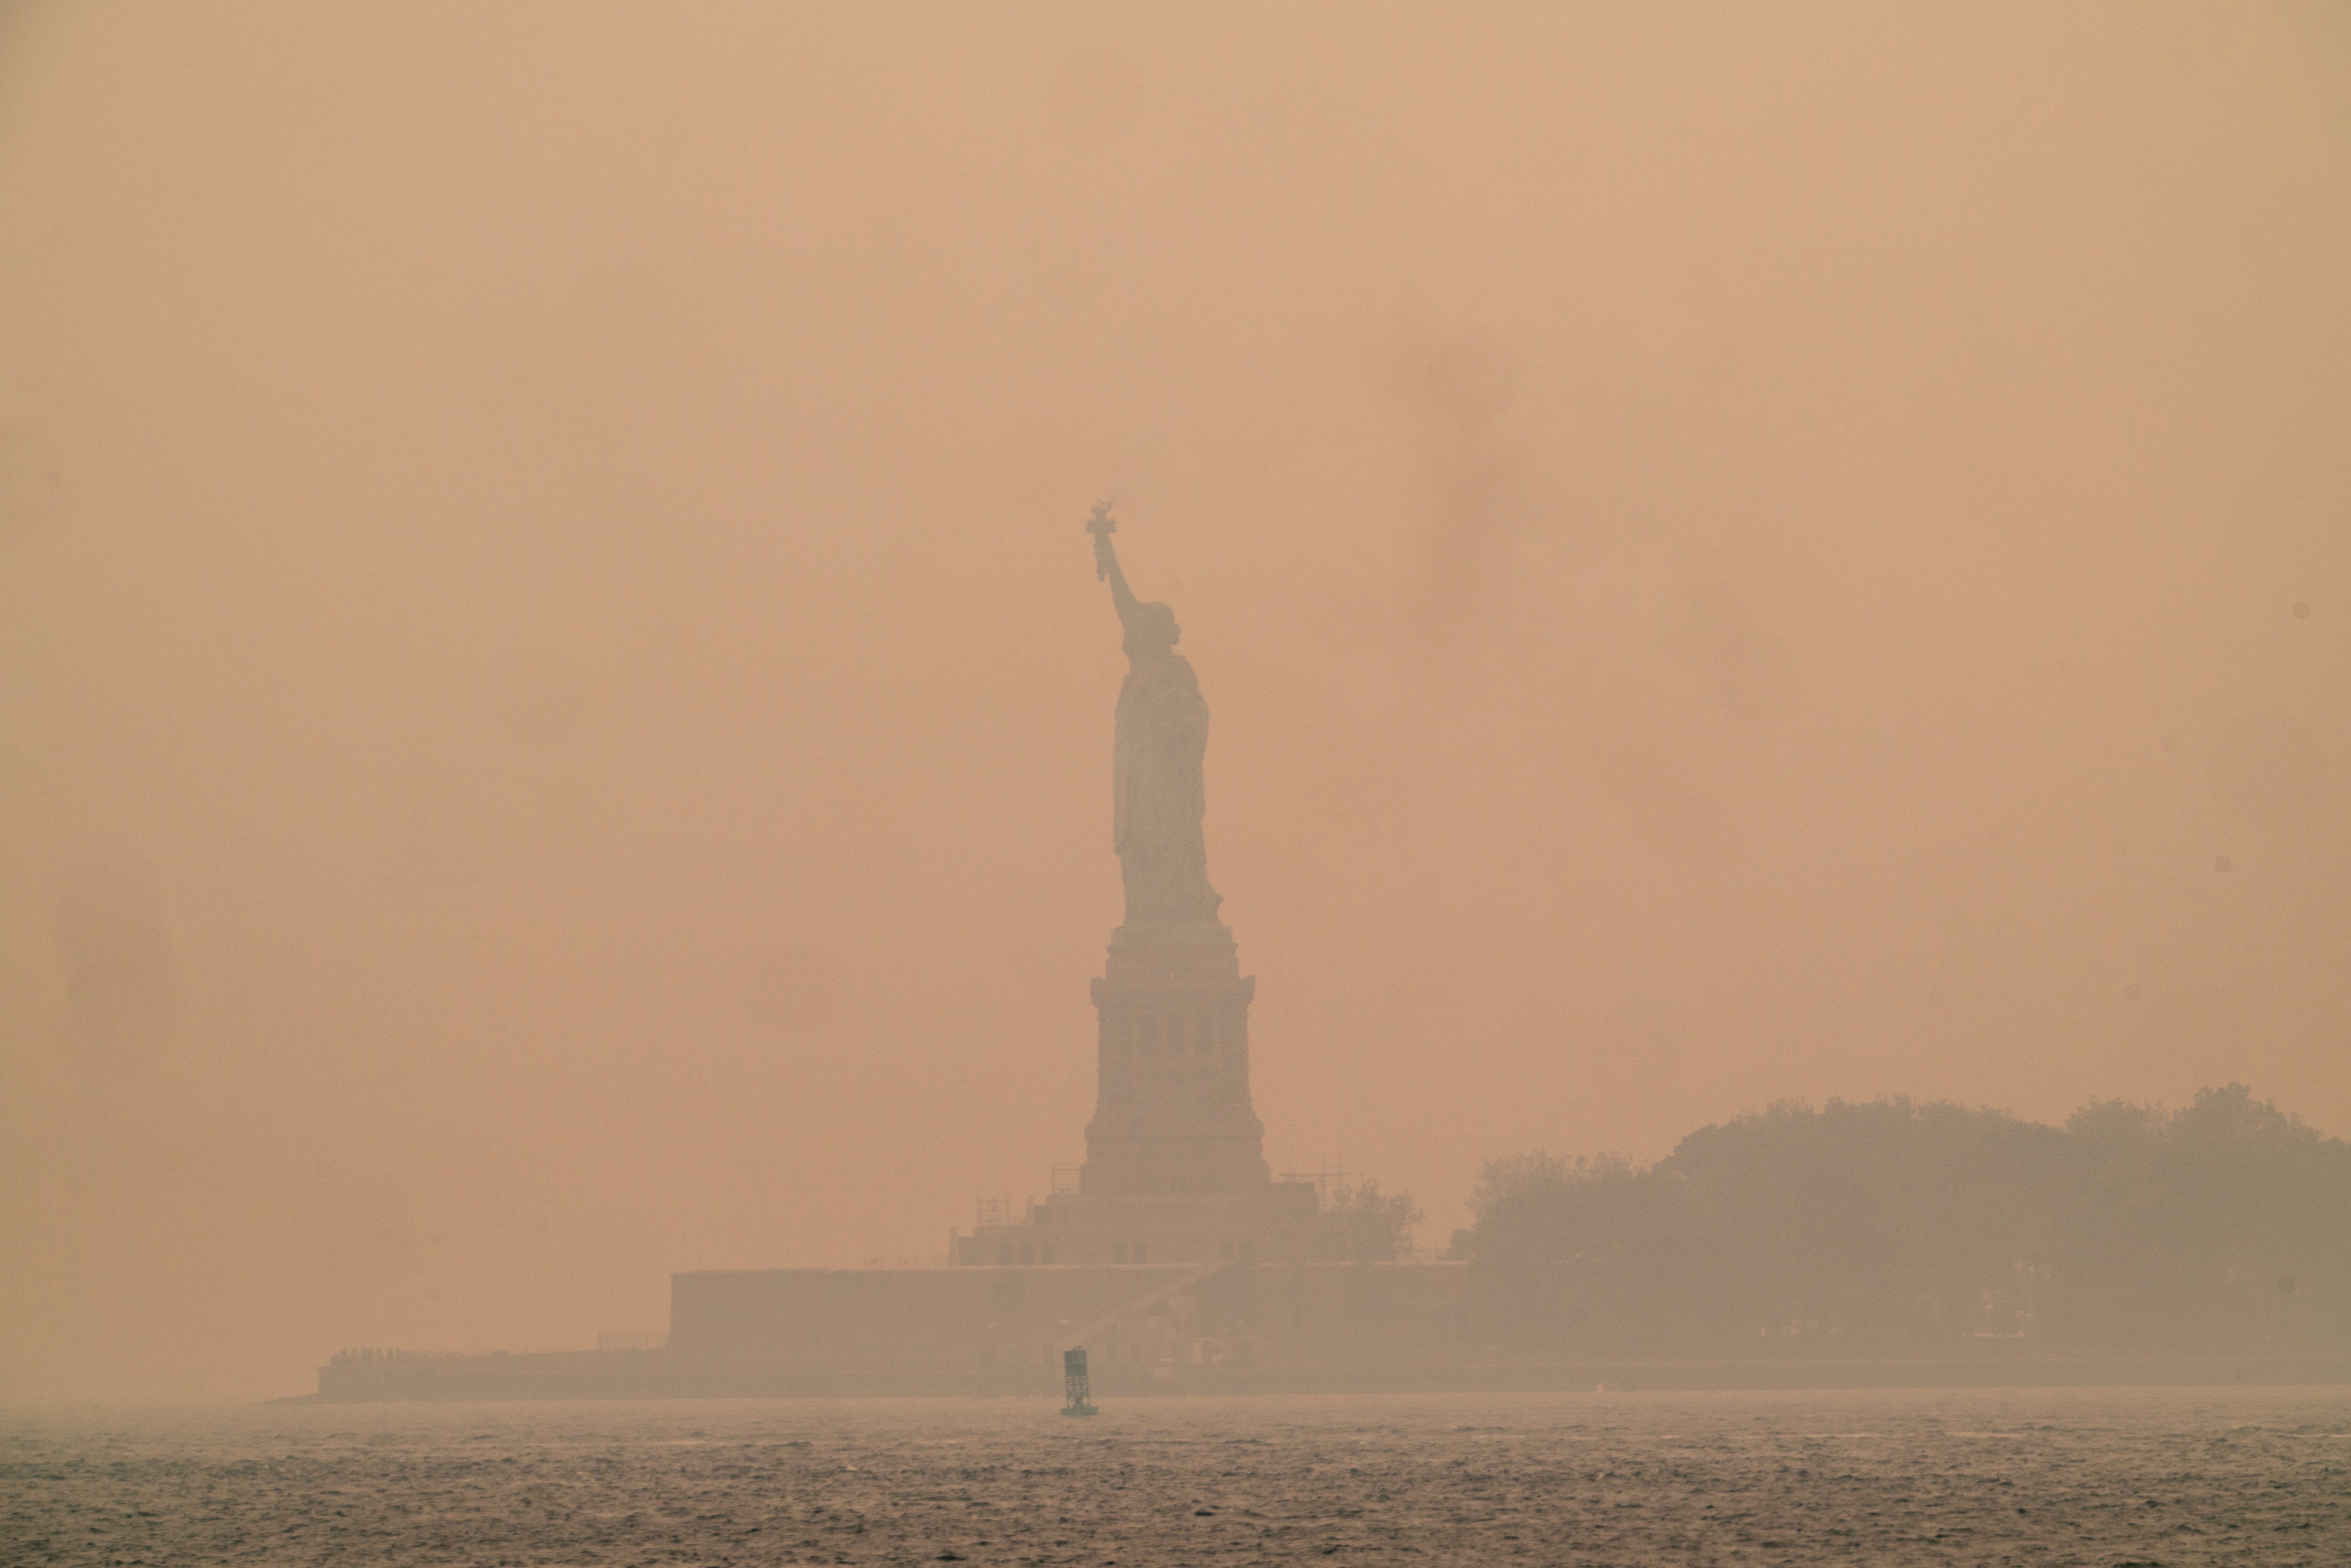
1175	1260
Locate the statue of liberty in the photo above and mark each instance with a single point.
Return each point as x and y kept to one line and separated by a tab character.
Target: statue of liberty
1159	796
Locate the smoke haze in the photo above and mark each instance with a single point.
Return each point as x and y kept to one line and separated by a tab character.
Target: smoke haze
557	708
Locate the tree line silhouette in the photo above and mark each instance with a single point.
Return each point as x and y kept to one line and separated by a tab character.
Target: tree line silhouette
1894	1227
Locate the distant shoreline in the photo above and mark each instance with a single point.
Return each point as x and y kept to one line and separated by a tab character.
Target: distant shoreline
665	1374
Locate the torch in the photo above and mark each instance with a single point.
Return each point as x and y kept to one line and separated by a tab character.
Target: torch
1101	527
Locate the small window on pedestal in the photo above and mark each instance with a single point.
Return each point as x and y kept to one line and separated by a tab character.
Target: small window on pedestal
1118	1253
1204	1034
1146	1035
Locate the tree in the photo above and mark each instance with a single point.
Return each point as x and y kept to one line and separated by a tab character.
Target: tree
1361	1224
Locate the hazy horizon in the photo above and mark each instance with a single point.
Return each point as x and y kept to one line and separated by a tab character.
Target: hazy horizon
558	707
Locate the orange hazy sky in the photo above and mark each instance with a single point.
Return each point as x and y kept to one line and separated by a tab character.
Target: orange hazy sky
555	707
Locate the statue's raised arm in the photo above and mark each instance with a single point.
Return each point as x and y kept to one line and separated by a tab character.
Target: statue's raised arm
1150	627
1101	526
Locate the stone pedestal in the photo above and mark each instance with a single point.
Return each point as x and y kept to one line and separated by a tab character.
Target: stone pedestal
1172	1113
1175	1169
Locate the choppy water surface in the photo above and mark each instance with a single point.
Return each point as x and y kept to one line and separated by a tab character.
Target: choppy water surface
2105	1477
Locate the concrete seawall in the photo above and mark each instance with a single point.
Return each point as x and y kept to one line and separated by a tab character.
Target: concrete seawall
1178	1329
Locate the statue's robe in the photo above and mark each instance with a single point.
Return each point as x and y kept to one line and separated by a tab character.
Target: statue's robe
1160	794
